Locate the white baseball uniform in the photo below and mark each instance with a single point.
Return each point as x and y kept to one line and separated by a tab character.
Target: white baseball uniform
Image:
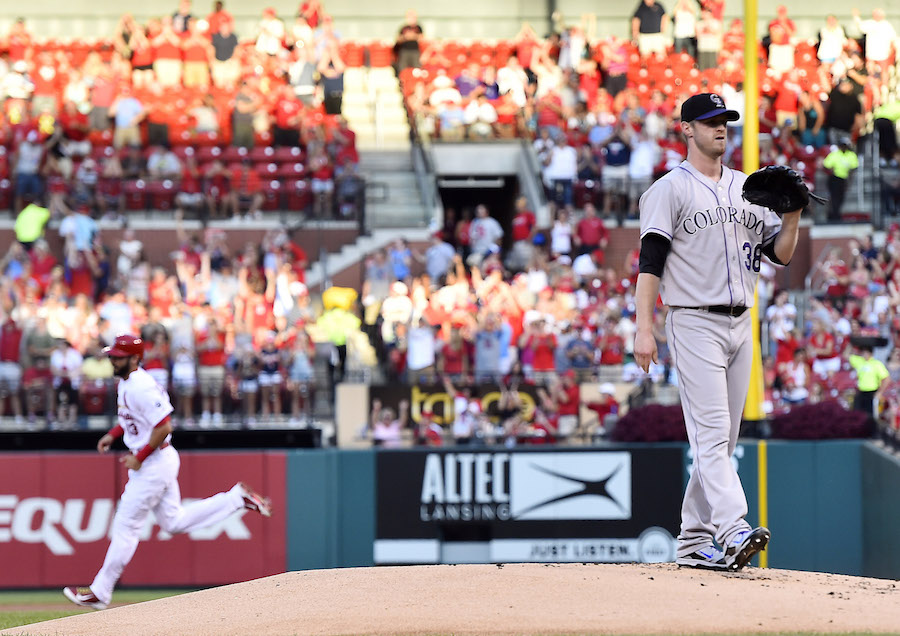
716	248
154	487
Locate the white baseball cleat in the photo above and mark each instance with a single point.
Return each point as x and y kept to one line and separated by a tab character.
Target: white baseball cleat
709	558
255	501
745	546
84	597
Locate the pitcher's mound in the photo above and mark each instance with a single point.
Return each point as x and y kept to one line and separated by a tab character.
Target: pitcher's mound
509	599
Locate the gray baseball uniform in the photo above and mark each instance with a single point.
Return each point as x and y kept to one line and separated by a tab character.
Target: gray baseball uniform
716	248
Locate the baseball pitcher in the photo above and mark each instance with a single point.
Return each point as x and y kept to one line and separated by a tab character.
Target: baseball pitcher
701	246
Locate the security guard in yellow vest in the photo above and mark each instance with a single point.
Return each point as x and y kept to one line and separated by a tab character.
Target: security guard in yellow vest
840	163
871	377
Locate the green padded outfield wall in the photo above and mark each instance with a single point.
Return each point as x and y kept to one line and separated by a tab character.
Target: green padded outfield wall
814	499
331	508
881	512
819	493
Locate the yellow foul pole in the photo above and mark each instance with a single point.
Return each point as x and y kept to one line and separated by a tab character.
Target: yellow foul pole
753	407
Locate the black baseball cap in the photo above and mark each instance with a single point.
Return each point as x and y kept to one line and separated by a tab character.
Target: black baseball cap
704	106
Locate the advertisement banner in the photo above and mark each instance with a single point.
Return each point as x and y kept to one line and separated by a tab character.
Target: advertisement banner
56	511
435	398
501	505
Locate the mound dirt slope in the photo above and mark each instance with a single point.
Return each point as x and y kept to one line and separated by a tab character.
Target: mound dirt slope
509	599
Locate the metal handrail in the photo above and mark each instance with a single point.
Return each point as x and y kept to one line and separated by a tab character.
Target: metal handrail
426	180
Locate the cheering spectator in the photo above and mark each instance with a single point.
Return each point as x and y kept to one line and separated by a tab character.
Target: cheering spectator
128	113
709	40
880	40
485	234
197	53
211	358
301	374
224	67
181	19
270	377
26	160
843	112
386	429
271	33
407	46
10	367
167	63
246	192
648	25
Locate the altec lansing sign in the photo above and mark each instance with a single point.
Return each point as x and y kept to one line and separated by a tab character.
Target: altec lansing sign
525	486
525	505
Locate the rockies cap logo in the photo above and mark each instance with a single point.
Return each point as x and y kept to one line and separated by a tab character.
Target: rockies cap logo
715	99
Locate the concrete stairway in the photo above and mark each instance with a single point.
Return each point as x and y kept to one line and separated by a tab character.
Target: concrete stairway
392	193
373	107
352	253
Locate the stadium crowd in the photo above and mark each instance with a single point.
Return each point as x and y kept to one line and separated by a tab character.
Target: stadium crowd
604	110
232	334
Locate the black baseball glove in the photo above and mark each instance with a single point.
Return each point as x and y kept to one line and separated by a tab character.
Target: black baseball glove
778	188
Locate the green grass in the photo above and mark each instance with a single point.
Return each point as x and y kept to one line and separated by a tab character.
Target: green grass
15	619
39	598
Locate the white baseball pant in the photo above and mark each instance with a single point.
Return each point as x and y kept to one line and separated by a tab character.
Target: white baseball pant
712	354
155	488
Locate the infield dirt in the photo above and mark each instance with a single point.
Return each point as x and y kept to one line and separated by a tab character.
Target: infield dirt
509	599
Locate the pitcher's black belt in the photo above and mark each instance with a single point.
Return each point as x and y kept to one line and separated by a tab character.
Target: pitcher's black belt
728	310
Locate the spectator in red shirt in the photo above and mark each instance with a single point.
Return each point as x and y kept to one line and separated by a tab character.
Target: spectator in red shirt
18	41
10	368
168	60
345	139
312	12
524	228
42	264
217	189
606	407
189	195
246	191
197	54
287	118
590	233
454	357
610	345
566	394
217	17
211	359
48	84
542	344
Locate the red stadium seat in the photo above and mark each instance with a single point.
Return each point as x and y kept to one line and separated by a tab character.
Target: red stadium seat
99	153
298	195
205	154
291	170
285	154
92	397
136	195
272	192
381	54
234	153
266	170
161	194
262	154
6	190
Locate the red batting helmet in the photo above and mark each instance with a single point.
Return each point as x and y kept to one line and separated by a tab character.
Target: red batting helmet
126	345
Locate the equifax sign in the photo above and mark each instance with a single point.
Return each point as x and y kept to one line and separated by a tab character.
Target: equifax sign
58	524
